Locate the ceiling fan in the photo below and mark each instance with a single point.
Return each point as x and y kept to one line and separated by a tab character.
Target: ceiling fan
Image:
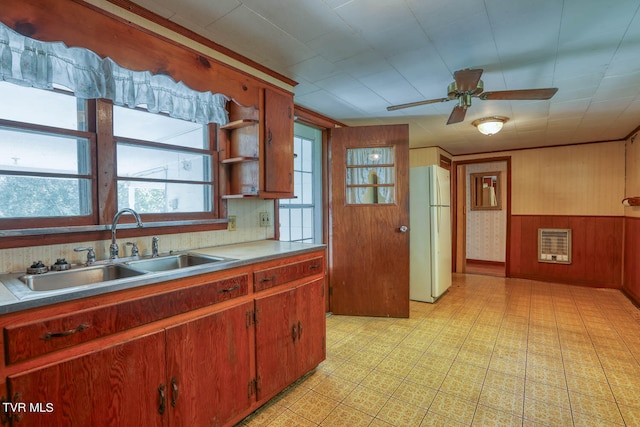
468	85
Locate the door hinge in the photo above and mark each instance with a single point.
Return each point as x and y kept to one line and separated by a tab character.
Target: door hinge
7	412
251	386
5	416
251	318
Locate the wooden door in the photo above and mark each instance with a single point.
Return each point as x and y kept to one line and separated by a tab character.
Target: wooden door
115	386
275	353
369	216
310	346
278	143
209	367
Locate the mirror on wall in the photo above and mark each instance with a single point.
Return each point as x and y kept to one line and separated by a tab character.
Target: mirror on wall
485	191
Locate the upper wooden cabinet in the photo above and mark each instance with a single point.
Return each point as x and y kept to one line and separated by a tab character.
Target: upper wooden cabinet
278	144
256	149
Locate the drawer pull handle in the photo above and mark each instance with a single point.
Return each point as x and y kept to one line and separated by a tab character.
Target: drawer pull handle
267	279
294	333
174	391
231	289
314	266
163	398
49	335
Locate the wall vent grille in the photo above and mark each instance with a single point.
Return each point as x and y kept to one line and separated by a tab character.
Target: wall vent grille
554	245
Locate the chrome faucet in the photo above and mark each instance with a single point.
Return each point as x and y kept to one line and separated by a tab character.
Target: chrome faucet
113	249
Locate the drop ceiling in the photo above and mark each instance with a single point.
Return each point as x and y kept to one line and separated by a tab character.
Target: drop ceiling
354	58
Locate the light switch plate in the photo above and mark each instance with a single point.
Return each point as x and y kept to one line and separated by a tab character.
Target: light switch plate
265	219
231	225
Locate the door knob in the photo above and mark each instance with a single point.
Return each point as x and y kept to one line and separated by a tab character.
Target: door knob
403	228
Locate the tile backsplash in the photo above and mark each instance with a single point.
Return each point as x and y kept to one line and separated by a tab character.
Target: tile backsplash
248	229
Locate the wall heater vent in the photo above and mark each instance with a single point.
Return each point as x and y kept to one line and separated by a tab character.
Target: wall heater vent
554	245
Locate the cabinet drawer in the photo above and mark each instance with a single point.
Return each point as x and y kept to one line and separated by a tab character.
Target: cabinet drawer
270	277
43	336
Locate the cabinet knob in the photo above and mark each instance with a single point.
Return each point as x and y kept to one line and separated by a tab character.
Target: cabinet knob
404	229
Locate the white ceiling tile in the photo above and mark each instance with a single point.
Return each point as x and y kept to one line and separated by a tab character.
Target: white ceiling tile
354	57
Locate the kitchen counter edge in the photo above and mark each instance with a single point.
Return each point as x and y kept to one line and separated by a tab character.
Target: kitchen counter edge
241	254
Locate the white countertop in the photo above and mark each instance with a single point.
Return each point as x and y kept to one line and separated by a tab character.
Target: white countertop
15	295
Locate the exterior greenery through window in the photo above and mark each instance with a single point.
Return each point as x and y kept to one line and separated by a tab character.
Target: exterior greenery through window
51	157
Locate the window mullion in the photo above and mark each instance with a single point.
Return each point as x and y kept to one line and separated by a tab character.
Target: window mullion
105	162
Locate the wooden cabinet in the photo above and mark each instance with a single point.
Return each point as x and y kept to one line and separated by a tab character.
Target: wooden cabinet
200	351
204	380
290	335
210	371
278	144
256	149
117	385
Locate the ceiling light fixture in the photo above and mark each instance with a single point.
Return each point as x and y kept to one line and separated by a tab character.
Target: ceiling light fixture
490	125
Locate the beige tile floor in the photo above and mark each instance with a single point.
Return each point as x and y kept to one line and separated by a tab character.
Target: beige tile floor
490	352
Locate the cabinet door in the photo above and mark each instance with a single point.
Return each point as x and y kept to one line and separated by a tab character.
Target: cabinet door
209	368
278	143
310	346
117	386
276	327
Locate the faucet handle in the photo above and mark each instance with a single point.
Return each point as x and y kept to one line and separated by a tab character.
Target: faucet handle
91	255
134	248
154	246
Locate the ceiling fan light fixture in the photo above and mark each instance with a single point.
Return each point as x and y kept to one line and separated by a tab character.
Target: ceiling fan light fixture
490	125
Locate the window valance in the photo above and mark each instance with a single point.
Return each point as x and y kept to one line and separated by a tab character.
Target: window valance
30	62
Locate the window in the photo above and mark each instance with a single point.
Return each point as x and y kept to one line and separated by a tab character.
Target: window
46	168
301	217
50	161
164	165
370	175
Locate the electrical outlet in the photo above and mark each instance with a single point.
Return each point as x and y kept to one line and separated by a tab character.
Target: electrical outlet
231	225
265	219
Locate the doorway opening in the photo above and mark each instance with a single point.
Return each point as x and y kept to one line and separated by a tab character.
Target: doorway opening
482	217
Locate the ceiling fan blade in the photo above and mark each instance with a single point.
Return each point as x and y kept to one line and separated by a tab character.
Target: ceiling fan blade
457	115
415	104
467	80
524	94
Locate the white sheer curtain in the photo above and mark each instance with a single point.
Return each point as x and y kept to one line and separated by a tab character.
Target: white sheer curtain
30	62
375	166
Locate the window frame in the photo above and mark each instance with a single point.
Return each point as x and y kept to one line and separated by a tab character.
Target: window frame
16	232
303	131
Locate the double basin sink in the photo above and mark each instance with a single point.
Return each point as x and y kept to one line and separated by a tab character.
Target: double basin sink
113	271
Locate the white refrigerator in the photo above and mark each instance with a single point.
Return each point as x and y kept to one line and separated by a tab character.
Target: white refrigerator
430	227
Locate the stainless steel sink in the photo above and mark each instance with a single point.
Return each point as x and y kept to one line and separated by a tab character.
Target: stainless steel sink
173	262
81	276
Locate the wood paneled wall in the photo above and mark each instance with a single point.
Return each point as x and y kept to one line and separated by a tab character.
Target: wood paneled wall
632	258
596	247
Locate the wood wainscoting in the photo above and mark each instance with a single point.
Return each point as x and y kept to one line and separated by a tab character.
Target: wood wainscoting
632	258
597	248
